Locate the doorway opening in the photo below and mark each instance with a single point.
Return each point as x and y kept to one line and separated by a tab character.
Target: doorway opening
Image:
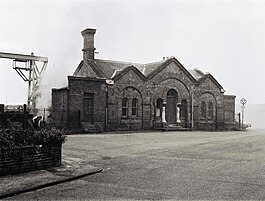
171	107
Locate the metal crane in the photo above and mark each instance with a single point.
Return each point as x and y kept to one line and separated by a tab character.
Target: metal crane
29	71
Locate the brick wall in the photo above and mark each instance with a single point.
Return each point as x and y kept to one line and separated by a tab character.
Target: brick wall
60	106
30	158
78	86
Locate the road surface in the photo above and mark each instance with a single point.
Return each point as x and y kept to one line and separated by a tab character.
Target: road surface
164	166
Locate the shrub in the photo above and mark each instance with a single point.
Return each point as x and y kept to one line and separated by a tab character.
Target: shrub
10	139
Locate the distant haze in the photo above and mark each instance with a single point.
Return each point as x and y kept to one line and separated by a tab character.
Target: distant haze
254	115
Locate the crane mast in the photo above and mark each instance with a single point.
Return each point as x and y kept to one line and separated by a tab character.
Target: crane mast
29	71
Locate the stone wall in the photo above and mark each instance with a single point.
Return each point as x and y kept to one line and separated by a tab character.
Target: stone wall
130	83
172	76
229	109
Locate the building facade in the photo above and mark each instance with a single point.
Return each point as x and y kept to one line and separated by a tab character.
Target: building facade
116	95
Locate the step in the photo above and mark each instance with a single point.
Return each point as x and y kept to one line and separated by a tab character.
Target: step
174	128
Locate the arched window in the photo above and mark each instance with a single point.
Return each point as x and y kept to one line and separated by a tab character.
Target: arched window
184	109
203	109
125	107
159	105
134	107
210	110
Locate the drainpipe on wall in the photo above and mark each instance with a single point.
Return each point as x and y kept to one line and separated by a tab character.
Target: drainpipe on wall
68	106
216	118
106	109
192	110
142	114
154	122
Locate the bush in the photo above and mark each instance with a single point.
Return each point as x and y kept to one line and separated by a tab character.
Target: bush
10	139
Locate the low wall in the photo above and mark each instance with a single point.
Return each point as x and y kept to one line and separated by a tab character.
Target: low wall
25	159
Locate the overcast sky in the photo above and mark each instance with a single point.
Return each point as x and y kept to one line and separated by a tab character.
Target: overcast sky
225	38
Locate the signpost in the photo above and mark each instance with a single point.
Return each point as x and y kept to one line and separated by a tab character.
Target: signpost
243	101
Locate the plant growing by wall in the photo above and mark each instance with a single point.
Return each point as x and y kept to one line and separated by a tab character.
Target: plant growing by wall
11	139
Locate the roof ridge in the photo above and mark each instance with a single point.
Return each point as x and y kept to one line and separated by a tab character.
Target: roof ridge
155	62
126	62
131	63
199	71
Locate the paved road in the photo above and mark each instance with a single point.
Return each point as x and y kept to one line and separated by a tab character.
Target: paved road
164	166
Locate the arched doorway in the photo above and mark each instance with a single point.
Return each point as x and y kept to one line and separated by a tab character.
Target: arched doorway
171	106
184	113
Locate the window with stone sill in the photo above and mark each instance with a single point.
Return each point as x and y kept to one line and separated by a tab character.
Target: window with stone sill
125	107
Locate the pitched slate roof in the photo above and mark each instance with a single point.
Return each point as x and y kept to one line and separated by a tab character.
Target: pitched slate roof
150	67
196	73
111	69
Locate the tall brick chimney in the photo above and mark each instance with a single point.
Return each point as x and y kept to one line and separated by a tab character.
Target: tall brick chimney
89	49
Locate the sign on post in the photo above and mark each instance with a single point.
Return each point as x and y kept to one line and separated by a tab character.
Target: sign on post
243	101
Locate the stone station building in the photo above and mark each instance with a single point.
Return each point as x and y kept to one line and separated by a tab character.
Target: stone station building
114	95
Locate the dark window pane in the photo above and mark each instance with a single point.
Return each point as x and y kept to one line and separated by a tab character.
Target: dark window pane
203	109
124	102
134	102
134	107
184	109
210	110
134	111
124	110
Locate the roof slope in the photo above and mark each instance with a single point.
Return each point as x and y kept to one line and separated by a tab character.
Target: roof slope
196	73
111	69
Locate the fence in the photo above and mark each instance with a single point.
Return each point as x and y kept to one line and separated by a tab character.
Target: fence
19	116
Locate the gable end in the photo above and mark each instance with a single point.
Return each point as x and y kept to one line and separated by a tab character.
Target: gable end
202	79
165	64
126	70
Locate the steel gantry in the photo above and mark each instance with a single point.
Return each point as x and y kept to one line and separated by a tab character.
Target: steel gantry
29	71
